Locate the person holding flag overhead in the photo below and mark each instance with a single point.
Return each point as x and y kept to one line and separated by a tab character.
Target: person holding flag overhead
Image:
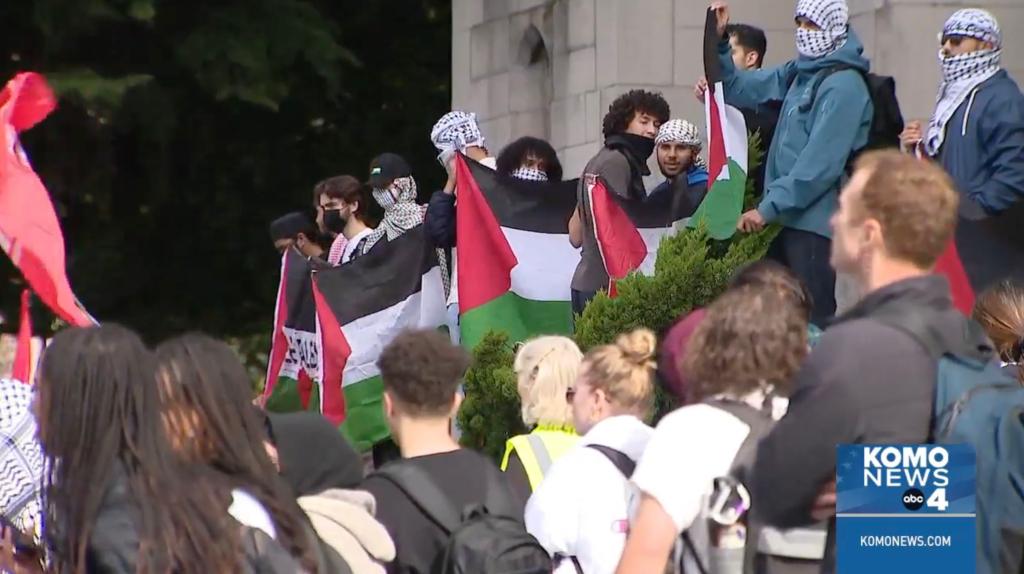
826	117
977	134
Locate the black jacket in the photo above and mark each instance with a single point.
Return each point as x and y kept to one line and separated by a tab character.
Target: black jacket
865	382
762	120
115	538
439	222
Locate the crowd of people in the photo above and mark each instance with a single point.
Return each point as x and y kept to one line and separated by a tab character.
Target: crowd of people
127	458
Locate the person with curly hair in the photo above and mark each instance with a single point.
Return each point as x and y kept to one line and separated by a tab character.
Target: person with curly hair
740	358
629	129
531	159
581	512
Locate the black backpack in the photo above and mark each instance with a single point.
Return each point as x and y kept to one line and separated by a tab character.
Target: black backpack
887	122
487	538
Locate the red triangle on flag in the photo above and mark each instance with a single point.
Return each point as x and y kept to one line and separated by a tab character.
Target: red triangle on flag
622	247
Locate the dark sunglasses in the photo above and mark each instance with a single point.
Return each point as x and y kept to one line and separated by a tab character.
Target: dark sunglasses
569	394
953	40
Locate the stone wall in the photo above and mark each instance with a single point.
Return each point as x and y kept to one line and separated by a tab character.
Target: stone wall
550	68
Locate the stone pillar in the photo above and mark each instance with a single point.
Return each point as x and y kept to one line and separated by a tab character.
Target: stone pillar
590	51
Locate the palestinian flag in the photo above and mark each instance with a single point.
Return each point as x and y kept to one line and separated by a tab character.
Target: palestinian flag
629	231
515	259
727	148
360	307
294	359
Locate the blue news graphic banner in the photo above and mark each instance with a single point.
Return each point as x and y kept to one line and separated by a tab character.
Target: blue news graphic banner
905	508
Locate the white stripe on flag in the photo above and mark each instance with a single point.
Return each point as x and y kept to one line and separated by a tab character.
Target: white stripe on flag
547	262
734	131
367	336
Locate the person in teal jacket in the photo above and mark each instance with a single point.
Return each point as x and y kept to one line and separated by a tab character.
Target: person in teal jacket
813	141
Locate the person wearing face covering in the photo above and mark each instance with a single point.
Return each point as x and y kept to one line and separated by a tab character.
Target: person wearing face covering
977	134
813	141
342	205
325	472
629	128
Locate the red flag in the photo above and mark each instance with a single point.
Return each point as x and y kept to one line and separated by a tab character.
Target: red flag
949	264
29	230
22	370
481	244
334	351
622	247
278	341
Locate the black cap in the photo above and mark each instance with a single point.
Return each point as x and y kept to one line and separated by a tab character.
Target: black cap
290	225
386	168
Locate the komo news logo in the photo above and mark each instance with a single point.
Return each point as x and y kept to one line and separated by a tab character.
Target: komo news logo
920	470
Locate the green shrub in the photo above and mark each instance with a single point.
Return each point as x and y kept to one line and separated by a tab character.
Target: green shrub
490	413
691	270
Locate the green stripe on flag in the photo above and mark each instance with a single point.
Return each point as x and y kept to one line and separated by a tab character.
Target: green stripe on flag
521	318
285	397
723	204
365	424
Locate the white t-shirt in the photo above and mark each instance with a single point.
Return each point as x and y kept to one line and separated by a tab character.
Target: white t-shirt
691	447
250	512
350	247
584	505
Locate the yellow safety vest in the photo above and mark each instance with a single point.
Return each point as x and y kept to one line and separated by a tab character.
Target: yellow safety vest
538	450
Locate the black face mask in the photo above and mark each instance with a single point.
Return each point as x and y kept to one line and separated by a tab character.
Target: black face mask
333	220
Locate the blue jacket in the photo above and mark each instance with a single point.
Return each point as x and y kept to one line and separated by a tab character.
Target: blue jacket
984	147
808	155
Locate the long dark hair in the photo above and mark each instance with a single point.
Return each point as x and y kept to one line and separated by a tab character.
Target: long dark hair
204	378
515	153
99	418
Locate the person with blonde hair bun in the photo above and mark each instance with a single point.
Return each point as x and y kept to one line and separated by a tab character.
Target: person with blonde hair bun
1000	311
545	369
581	512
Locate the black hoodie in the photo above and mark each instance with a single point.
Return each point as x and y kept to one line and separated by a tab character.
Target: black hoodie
865	382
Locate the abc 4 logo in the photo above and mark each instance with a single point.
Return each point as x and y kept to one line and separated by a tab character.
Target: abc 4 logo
914	500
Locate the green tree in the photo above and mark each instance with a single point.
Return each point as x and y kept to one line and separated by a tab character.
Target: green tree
185	127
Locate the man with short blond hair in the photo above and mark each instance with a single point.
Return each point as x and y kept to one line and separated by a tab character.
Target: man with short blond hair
868	380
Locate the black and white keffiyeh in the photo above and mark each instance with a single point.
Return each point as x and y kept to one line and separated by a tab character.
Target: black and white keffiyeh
684	132
529	174
401	213
833	17
963	73
455	132
21	459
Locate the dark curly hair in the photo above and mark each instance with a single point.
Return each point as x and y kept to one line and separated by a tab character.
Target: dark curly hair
633	102
514	153
750	335
423	370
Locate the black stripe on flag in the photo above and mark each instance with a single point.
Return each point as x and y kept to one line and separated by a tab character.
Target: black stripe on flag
299	289
541	207
661	210
390	273
712	65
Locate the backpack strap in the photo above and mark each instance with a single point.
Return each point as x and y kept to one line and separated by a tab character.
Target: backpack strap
759	421
621	461
822	76
424	492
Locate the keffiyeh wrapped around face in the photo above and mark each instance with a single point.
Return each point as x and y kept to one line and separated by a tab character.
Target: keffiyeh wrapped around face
832	16
529	174
683	132
402	213
962	74
455	132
